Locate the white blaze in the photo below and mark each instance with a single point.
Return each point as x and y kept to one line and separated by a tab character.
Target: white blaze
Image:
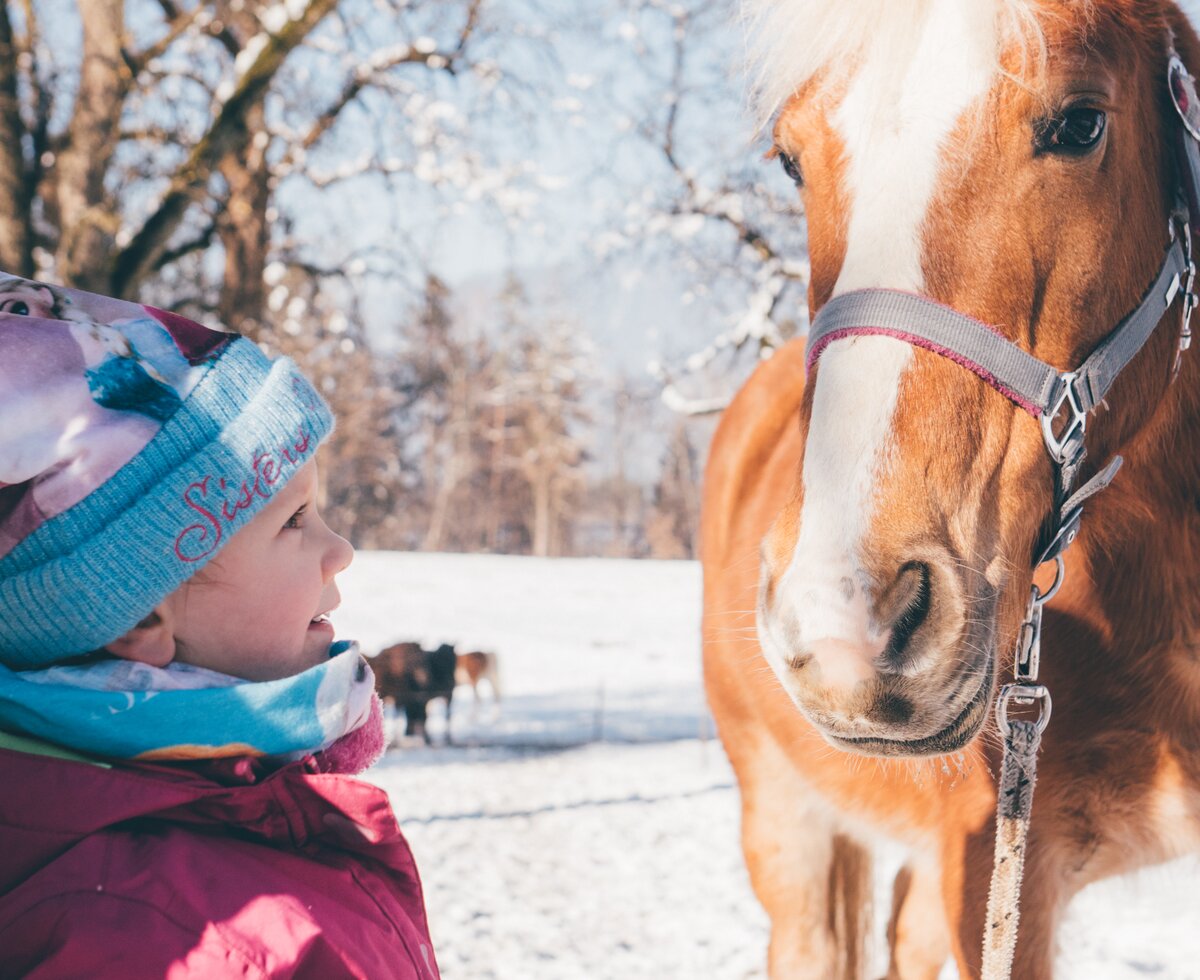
899	108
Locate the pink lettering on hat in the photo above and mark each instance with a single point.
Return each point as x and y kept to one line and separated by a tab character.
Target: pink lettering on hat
201	539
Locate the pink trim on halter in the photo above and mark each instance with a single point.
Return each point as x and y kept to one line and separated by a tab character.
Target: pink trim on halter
929	345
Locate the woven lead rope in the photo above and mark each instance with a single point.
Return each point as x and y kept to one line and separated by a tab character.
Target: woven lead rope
1018	776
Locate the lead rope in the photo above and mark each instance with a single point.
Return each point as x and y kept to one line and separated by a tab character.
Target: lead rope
1018	765
1018	778
1022	738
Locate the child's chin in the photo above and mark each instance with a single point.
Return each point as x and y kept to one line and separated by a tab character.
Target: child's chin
317	642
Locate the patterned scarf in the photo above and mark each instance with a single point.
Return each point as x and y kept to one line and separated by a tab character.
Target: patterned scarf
124	710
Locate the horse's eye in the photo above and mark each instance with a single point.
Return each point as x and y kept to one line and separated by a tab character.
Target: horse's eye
16	307
1075	131
791	168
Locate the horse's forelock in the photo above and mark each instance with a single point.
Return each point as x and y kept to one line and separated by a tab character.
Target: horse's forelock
791	42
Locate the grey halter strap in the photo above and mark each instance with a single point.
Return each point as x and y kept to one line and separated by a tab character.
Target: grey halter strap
1032	384
1037	387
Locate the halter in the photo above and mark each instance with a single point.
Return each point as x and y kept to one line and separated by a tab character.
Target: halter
1046	393
1042	390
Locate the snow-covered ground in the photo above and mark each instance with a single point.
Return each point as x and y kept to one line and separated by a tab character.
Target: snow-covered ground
590	828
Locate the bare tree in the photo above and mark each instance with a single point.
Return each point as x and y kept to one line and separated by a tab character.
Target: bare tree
719	213
215	157
180	140
674	524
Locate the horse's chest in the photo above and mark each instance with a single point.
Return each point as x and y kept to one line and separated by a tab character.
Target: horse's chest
1160	817
1174	796
1120	797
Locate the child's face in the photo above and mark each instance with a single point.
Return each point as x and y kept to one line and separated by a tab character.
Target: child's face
258	609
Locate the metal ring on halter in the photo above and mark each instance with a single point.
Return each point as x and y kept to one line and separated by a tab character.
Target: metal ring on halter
1023	694
1181	83
1038	599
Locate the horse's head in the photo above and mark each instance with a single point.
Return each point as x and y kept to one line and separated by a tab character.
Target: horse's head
1013	160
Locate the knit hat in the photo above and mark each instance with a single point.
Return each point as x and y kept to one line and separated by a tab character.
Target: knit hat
134	443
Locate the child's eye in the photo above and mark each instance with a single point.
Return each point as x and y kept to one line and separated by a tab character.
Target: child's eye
297	519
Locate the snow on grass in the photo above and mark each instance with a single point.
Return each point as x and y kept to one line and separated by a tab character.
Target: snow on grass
604	861
589	828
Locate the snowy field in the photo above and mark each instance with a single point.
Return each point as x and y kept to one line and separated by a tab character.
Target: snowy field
590	828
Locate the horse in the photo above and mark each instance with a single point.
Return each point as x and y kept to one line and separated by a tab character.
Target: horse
410	677
475	667
874	510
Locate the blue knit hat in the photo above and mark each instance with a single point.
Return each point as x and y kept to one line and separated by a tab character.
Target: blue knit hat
134	443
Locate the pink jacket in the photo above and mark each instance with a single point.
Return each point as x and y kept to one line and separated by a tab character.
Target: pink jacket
159	871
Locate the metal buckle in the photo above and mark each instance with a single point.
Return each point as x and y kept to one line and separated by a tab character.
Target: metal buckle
1023	694
1029	646
1029	635
1189	297
1065	448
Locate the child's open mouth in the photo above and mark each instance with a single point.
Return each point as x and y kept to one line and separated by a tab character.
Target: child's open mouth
321	622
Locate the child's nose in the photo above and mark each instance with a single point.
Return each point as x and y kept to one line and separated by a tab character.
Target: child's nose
338	555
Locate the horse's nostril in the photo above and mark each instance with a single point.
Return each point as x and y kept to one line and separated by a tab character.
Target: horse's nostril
798	661
911	597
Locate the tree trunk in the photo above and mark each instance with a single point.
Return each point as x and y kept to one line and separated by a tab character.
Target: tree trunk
89	225
541	511
435	536
499	421
16	232
244	231
228	134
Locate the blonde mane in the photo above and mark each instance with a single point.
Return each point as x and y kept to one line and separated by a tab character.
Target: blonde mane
789	42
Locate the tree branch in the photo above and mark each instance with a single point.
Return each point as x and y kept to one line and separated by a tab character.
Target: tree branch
468	28
227	133
747	234
201	241
222	33
384	61
178	23
41	100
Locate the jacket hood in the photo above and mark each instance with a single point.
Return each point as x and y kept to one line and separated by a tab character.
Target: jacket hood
53	799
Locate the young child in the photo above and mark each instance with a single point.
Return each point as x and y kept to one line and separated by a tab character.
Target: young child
178	728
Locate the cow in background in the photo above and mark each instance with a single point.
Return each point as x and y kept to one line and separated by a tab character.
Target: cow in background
410	677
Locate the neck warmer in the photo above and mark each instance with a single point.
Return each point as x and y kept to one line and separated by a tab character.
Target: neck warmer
121	710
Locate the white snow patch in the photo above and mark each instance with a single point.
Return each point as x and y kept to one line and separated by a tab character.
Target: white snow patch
546	858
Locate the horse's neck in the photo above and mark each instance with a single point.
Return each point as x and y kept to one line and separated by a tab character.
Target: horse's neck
1143	533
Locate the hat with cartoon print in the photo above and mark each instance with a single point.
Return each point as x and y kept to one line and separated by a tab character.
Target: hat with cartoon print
134	443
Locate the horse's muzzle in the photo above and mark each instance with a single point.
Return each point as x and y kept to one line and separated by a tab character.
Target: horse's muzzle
899	670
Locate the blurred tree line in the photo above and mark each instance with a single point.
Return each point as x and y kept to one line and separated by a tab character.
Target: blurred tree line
276	165
495	448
